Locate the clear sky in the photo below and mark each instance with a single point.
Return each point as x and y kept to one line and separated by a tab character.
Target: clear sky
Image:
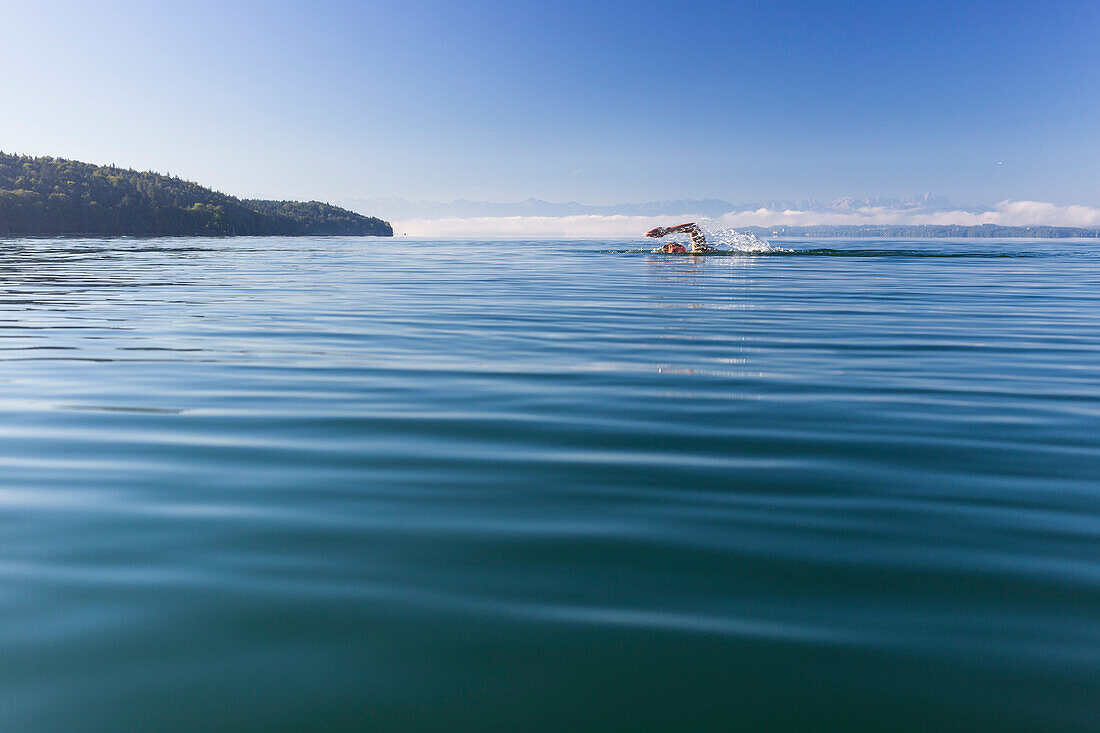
595	101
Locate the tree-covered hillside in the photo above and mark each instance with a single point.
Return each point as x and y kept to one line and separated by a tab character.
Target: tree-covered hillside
57	196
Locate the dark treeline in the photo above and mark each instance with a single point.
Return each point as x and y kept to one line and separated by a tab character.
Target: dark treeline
924	230
45	196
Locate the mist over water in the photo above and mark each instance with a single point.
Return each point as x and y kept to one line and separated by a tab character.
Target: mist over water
347	484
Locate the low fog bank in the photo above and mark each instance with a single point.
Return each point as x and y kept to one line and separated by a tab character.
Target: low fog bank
1004	213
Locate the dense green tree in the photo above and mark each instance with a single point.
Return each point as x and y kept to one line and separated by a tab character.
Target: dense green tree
42	196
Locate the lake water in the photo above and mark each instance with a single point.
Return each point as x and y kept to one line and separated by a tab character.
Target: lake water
347	484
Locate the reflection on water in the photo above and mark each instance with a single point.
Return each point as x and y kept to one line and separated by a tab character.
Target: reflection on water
354	483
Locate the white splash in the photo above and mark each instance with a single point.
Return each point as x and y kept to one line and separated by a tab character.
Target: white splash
726	238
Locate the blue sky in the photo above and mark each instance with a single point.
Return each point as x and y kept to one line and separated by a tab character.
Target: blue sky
594	101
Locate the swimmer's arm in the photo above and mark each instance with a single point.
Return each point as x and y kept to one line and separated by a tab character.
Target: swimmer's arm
689	228
698	241
662	231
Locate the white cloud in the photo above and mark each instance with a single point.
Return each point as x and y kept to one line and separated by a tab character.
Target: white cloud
1005	213
1022	213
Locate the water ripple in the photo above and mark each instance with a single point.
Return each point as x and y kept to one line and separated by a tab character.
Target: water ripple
302	483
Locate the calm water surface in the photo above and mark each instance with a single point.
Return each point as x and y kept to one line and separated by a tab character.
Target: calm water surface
346	484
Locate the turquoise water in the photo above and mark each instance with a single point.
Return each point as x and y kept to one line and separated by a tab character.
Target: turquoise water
347	484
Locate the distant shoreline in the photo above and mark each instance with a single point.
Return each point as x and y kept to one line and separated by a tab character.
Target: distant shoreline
4	236
926	231
57	197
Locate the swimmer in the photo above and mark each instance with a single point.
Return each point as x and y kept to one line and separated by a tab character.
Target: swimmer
698	241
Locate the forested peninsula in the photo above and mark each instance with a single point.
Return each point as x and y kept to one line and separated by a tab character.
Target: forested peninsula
51	196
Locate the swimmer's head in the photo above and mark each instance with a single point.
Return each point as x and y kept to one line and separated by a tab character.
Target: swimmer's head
673	247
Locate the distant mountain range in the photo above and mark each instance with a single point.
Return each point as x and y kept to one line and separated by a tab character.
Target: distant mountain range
403	209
